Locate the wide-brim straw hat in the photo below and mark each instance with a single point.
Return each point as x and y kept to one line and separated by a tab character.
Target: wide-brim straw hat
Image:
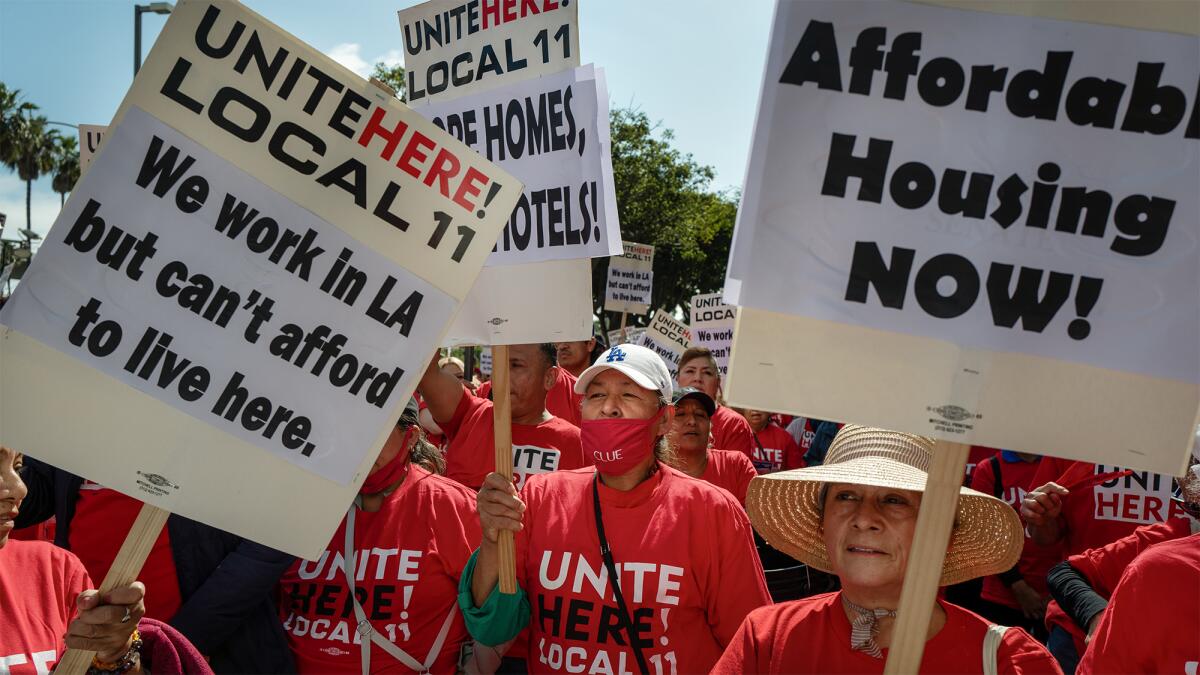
783	507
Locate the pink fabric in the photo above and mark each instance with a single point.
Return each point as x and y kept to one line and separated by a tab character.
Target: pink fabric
165	651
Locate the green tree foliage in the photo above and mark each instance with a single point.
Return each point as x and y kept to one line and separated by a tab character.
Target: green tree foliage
665	199
66	167
392	76
27	144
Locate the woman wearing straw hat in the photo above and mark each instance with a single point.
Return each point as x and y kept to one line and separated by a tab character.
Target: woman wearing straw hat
855	516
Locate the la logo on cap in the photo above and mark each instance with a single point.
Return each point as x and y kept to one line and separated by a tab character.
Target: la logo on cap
615	354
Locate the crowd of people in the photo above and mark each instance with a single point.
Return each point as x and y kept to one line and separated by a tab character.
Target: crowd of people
655	529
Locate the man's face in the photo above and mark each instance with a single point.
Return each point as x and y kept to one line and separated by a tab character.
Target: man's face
530	376
689	430
701	374
575	355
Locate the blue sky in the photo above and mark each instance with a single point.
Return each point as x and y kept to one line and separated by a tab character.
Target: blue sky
694	65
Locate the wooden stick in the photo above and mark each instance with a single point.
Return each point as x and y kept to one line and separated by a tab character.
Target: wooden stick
938	506
624	335
125	569
502	419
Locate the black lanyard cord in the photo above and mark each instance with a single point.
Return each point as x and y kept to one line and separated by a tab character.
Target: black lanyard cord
606	553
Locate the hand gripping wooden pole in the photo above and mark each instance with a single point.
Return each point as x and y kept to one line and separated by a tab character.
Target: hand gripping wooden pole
502	419
125	569
934	522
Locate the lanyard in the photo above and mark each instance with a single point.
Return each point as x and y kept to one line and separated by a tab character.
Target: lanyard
367	632
606	553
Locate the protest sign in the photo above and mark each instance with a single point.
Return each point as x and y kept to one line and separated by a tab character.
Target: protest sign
552	133
961	225
668	337
485	360
630	280
226	324
520	304
712	326
90	136
452	47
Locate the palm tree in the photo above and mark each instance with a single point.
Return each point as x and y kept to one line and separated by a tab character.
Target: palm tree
66	167
29	149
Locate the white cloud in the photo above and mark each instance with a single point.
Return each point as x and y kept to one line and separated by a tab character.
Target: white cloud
44	206
349	54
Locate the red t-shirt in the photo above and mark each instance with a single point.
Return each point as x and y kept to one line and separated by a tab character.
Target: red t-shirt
102	520
730	471
813	636
1152	624
776	450
1104	566
731	431
541	448
410	556
688	571
1016	479
561	401
38	586
1104	513
975	455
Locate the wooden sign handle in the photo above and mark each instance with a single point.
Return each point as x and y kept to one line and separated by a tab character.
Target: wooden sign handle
125	569
624	335
938	506
502	419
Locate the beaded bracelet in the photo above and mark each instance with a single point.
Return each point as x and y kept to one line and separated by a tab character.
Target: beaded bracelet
128	661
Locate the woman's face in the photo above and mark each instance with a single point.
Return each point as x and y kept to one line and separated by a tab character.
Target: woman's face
12	490
399	440
612	394
701	374
868	533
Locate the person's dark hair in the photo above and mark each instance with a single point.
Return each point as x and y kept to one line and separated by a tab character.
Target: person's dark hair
549	353
424	454
600	347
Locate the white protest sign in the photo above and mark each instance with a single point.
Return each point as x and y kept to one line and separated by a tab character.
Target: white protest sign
485	360
454	47
521	304
668	337
90	136
630	279
232	330
552	133
1019	197
712	326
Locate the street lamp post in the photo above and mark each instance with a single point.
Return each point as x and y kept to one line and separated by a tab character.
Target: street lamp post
138	10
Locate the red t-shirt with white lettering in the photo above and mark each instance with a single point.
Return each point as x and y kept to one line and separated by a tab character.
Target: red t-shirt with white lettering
1016	478
102	519
730	431
813	636
1101	514
776	450
1152	623
731	471
541	448
39	583
688	571
411	553
561	401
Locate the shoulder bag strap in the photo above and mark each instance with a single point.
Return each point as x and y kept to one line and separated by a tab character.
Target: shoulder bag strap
366	632
991	647
997	481
606	553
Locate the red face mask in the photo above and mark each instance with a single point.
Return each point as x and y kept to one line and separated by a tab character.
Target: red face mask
383	477
617	445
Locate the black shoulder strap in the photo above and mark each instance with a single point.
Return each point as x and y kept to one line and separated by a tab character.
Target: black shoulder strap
998	484
606	553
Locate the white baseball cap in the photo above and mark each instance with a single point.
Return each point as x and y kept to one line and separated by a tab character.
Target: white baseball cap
642	365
